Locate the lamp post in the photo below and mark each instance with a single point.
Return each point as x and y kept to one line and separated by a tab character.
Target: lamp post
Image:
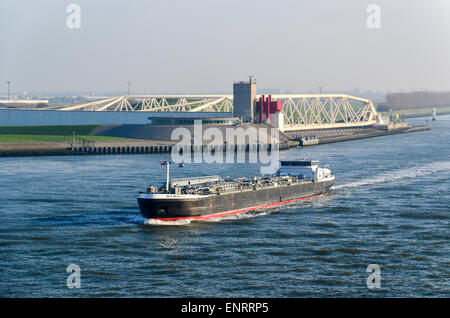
8	82
128	83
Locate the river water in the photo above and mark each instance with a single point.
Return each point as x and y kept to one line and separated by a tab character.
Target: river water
390	207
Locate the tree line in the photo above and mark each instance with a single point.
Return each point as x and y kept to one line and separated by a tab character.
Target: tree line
398	101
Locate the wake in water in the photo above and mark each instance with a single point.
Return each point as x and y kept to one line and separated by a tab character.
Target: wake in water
139	219
243	215
391	176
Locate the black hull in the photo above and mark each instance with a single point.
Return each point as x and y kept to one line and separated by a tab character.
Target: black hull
231	203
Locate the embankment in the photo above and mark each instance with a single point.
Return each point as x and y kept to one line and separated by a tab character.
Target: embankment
373	133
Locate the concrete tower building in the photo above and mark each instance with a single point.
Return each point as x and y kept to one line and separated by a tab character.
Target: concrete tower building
244	95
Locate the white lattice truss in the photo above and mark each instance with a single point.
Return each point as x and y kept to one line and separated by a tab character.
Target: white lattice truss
160	103
326	111
300	111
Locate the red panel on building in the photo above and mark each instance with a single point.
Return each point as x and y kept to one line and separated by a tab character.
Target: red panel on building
266	106
276	106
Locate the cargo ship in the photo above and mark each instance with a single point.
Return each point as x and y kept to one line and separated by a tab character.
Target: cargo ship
208	197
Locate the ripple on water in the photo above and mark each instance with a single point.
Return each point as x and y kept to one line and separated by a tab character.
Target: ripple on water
350	250
424	215
321	235
325	225
342	209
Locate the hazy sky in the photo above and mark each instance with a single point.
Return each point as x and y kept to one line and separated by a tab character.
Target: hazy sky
202	46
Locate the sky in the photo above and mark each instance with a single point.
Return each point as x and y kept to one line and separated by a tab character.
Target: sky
202	46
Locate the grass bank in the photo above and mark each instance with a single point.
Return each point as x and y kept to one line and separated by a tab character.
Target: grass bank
53	138
51	134
82	130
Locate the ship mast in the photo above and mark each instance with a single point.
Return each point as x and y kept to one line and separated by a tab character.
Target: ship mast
167	176
166	163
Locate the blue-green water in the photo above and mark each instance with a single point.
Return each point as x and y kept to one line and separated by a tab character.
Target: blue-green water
390	206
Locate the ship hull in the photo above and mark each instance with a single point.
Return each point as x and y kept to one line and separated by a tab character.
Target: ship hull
178	207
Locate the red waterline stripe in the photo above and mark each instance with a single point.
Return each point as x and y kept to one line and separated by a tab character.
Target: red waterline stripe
217	215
